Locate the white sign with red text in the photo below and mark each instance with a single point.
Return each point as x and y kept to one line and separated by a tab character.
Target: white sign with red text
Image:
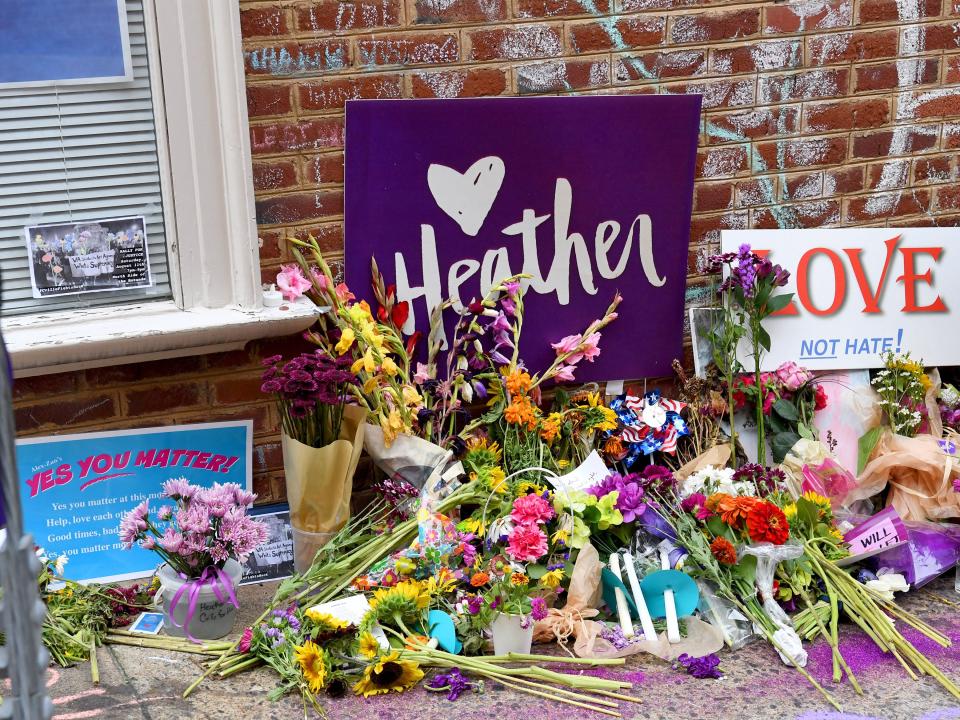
859	292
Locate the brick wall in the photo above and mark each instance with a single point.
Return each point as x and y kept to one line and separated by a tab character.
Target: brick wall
815	113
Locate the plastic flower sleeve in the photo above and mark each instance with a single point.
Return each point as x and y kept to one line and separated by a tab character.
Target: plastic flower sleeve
735	628
768	557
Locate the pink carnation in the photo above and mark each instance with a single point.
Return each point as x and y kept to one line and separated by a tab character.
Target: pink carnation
531	509
528	543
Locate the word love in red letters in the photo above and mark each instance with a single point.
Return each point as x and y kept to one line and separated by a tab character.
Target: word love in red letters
850	264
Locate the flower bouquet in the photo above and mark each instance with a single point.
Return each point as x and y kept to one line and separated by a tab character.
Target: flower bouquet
322	440
203	537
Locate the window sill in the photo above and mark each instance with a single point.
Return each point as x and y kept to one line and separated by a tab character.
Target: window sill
48	343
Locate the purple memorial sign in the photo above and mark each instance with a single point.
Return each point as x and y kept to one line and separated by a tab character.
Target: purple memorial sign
590	195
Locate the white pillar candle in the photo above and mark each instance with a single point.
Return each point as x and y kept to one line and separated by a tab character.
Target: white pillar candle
623	610
670	606
646	622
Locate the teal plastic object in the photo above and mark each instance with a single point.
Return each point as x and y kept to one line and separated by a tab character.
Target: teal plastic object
686	594
609	583
442	628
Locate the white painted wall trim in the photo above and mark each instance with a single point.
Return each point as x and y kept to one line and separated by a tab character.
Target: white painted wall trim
41	344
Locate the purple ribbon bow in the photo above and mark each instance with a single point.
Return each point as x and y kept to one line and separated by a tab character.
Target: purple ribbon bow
222	588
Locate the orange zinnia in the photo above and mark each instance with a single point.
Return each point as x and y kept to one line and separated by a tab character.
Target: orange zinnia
733	510
479	579
723	551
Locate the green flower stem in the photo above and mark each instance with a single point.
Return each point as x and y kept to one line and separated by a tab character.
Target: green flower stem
94	667
526	657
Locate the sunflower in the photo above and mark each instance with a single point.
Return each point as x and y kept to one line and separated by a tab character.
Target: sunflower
388	673
326	620
405	598
822	503
368	645
313	664
471	525
483	451
790	511
525	487
497	480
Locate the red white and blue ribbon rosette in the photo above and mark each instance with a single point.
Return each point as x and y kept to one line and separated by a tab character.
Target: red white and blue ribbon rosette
650	424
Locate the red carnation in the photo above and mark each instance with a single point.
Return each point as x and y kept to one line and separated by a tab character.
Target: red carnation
767	523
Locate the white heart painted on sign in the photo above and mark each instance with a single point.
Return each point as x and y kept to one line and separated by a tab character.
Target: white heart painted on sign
467	197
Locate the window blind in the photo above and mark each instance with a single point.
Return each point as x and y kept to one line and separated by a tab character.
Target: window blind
80	153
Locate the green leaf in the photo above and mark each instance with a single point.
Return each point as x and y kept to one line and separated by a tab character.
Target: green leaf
865	446
536	571
776	424
716	526
805	432
764	338
781	443
778	302
785	409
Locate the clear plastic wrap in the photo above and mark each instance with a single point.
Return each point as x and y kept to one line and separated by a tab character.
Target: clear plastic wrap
734	627
768	557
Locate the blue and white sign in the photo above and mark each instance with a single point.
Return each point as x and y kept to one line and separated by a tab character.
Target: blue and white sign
64	42
76	488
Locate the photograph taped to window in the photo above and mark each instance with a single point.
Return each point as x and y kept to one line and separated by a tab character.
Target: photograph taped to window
89	256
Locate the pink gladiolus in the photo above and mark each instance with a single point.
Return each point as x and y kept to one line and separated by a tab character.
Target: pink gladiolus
564	372
591	345
291	282
527	543
344	294
567	345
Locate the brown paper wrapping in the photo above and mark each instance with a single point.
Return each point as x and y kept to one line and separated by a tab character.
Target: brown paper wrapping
320	480
717	456
919	473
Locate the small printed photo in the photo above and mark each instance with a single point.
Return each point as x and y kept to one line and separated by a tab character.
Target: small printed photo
90	256
148	623
273	560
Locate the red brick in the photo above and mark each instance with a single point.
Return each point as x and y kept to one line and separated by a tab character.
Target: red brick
169	396
847	115
44	385
267	456
852	46
753	124
112	375
713	196
759	57
947	198
879	144
803	186
332	94
807	85
933	169
888	11
760	191
562	75
293	58
807	16
886	76
888	175
460	11
952	73
268	100
942	102
680	63
300	207
812	214
304	135
238	389
263	21
706	229
329	237
629	32
419	49
645	5
64	412
716	93
270	249
560	8
324	169
883	205
723	161
843	180
459	83
787	154
951	136
516	43
336	16
927	38
714	25
274	175
263	424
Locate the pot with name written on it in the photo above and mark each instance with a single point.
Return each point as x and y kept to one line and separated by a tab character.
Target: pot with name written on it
200	608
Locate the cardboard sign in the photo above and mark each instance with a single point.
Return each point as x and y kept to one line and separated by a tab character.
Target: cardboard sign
859	293
587	195
76	488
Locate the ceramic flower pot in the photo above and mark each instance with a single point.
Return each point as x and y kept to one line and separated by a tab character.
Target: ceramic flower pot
510	635
205	608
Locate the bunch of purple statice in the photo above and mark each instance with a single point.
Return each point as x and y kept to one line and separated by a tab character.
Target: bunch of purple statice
311	390
204	527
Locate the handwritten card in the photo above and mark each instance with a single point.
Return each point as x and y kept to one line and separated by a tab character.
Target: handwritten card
589	473
879	532
351	610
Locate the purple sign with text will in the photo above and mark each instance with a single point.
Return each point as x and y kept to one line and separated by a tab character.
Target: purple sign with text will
588	195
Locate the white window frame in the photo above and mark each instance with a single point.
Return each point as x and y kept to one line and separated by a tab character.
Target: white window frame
203	142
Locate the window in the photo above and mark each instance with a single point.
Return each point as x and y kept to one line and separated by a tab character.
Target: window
170	145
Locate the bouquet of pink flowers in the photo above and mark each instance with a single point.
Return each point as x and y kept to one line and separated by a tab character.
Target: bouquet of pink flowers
203	527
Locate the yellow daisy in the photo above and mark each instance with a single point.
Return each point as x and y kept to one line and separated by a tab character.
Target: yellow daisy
552	578
312	661
388	673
